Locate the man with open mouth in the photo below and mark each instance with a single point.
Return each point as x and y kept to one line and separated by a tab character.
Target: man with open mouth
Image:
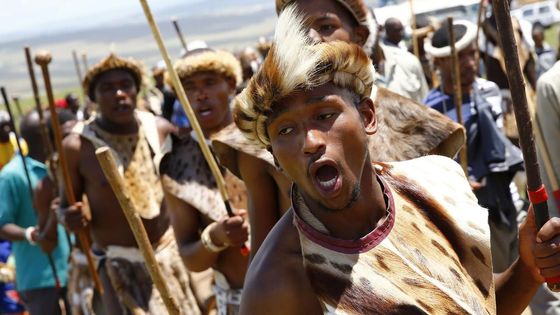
135	139
411	129
366	237
208	239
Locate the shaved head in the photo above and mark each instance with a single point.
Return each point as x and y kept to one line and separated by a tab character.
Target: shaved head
394	30
30	129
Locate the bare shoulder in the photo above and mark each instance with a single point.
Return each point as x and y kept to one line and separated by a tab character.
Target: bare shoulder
72	142
251	163
276	282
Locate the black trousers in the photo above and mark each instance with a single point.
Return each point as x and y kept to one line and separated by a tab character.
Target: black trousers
45	301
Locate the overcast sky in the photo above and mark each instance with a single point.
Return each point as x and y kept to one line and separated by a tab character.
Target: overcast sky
22	18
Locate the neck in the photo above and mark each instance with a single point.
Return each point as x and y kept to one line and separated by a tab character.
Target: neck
450	89
36	156
208	133
365	214
115	128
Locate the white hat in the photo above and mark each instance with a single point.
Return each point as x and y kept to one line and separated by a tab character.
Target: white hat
439	47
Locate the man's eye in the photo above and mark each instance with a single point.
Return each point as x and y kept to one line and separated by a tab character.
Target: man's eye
285	131
326	28
326	116
209	82
128	85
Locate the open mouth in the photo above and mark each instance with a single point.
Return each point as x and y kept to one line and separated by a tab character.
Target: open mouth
123	108
205	112
326	177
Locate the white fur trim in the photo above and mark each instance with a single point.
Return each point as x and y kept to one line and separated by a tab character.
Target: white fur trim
467	39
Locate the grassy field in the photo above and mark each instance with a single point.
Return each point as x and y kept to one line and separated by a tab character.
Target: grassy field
28	103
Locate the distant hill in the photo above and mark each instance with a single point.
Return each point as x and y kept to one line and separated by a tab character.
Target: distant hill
224	24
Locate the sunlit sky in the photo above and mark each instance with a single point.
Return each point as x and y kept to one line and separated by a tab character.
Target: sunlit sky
23	18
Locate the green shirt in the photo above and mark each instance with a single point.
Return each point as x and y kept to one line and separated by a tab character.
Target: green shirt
32	267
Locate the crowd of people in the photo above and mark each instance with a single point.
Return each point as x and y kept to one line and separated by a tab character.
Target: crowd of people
338	141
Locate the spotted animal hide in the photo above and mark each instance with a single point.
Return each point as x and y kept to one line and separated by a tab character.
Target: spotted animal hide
186	175
430	255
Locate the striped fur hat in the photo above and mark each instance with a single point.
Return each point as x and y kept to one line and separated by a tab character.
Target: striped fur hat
109	63
359	11
207	59
357	7
295	63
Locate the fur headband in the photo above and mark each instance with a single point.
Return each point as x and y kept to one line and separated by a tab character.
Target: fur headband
295	63
358	9
218	61
111	62
467	35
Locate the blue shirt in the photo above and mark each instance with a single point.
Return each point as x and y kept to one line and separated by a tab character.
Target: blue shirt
32	267
179	117
445	104
489	151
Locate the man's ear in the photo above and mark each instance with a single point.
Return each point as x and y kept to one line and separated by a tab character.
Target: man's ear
278	167
366	108
231	84
361	34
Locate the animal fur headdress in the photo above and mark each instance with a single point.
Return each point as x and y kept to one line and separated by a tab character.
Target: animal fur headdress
295	63
206	59
359	11
439	45
111	62
357	7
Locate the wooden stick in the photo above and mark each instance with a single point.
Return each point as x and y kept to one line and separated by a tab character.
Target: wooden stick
190	113
415	44
537	193
458	92
109	166
179	33
84	60
44	130
18	107
77	66
79	74
28	178
43	59
546	159
481	11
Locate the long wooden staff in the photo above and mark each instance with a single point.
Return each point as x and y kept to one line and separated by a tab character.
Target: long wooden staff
44	130
457	91
179	33
109	166
547	160
29	185
79	74
43	59
18	107
84	60
77	66
415	44
536	190
190	113
481	12
47	143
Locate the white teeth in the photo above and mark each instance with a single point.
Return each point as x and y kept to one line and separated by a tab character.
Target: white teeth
327	184
205	112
